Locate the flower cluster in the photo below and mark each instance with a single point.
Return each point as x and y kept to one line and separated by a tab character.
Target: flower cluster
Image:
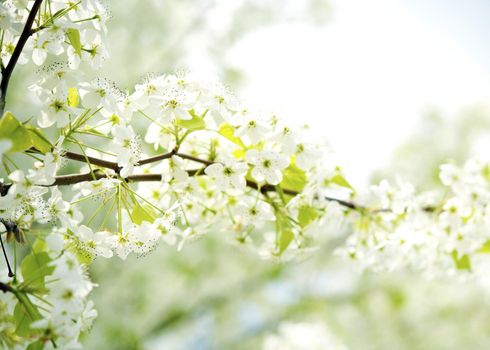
437	233
70	314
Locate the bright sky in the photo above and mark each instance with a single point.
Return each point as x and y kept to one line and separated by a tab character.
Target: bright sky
363	80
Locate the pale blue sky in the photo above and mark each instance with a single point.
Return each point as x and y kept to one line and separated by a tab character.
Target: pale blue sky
363	80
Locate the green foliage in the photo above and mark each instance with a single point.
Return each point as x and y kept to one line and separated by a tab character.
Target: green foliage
142	213
461	263
227	131
485	248
35	268
38	139
196	123
294	178
25	312
284	230
74	38
37	345
306	215
341	181
22	136
12	129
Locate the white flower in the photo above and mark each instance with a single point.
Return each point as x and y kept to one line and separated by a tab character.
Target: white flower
7	17
175	169
56	109
160	137
98	93
306	155
95	243
57	208
229	175
253	212
252	127
166	227
268	165
173	104
127	147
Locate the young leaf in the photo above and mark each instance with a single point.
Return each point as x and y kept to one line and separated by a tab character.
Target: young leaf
196	123
286	236
37	345
142	213
74	38
306	215
341	181
293	178
461	263
38	139
35	268
485	248
227	131
22	321
284	231
25	312
12	129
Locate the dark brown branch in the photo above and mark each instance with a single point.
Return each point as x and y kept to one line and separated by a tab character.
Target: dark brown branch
4	287
195	159
94	161
24	36
157	158
65	180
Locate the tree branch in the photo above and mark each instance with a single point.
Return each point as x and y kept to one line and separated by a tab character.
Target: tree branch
94	161
4	287
65	180
24	36
157	158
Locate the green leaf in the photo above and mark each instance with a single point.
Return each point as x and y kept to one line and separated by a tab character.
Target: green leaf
142	213
35	268
25	312
485	248
463	262
73	97
306	215
293	178
22	321
39	246
74	38
196	123
37	345
227	131
12	129
341	181
284	230
38	139
285	238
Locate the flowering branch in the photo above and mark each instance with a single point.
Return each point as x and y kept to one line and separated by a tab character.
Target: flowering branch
77	178
7	71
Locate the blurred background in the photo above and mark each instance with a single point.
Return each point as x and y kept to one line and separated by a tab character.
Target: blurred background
395	86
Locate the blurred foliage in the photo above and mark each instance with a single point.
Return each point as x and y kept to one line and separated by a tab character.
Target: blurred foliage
438	139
